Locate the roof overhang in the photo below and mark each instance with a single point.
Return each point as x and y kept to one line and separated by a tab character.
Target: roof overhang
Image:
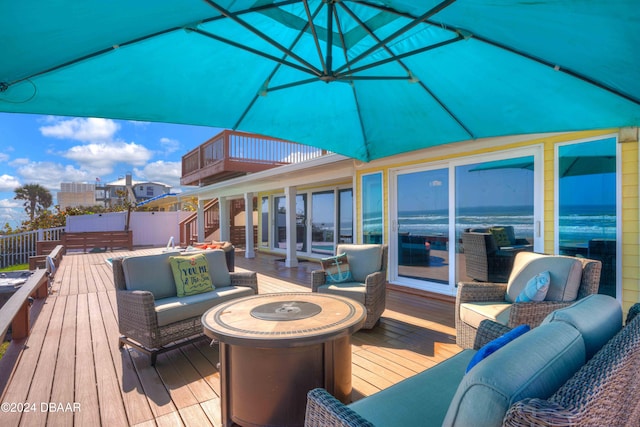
325	170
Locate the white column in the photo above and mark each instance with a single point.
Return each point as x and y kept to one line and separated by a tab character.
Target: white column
248	226
291	259
200	220
225	226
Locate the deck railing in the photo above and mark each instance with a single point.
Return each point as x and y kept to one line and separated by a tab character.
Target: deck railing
189	225
245	147
17	248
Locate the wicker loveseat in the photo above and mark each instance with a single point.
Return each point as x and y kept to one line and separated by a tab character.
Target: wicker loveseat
151	316
547	377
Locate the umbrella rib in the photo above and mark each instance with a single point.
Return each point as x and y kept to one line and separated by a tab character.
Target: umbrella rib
280	61
263	36
416	21
557	67
5	85
363	132
404	66
402	55
265	87
314	33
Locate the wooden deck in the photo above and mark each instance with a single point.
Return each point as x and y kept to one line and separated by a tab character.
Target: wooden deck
71	372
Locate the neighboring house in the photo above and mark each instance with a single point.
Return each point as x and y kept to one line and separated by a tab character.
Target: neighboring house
572	193
114	193
75	194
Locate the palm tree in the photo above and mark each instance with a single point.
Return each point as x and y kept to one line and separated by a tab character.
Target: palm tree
37	198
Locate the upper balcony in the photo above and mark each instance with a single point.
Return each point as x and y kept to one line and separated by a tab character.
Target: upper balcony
231	153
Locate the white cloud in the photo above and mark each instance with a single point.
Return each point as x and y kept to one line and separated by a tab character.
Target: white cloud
4	157
103	156
11	203
50	175
12	212
19	162
169	145
161	171
80	129
8	183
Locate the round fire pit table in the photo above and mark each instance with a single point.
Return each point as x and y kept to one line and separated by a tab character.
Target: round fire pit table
274	348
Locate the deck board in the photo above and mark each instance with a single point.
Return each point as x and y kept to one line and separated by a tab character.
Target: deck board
85	376
72	354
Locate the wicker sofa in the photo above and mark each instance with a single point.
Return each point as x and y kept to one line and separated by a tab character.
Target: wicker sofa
151	316
548	376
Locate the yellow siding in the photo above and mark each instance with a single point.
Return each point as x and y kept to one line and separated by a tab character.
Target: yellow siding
630	221
629	194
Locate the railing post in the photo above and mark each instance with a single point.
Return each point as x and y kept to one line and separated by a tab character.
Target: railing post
20	324
248	211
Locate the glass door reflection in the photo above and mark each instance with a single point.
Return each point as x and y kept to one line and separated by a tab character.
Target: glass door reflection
422	225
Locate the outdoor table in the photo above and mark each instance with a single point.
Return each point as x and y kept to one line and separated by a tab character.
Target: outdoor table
274	348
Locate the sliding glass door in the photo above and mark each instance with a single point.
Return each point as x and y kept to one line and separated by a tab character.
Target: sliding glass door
494	216
431	209
323	218
422	225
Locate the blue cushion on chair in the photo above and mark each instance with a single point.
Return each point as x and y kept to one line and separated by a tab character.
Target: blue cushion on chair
337	269
536	288
497	344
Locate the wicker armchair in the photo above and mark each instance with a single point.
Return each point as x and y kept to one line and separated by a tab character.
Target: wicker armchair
138	320
530	313
485	260
370	289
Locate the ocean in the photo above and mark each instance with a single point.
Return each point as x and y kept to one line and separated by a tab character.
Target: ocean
577	223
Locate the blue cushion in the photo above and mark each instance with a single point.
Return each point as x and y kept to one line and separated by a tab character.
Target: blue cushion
337	269
534	365
420	400
536	288
497	344
597	317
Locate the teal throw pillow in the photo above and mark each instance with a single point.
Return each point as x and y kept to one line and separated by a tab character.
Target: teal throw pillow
337	269
536	288
492	346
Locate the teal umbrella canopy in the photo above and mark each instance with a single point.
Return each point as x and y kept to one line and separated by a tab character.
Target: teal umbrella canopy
367	79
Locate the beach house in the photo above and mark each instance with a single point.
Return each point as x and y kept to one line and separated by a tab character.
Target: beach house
563	193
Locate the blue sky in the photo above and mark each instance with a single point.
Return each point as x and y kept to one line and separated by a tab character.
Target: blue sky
48	150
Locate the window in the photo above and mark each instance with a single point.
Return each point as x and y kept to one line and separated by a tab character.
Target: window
345	216
586	215
423	225
264	233
372	221
323	222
